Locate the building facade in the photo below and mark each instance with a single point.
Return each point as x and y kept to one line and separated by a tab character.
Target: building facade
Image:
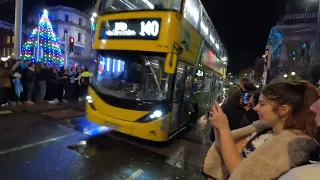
291	43
7	38
78	26
6	42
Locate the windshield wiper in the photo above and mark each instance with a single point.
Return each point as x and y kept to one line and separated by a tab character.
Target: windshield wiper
154	76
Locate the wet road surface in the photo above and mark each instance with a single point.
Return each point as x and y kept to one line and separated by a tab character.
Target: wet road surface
57	142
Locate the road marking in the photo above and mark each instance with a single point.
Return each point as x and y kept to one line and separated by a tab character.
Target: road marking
5	112
34	144
135	175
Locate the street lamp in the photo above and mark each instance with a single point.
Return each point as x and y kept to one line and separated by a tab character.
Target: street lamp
18	28
92	19
293	73
286	75
5	58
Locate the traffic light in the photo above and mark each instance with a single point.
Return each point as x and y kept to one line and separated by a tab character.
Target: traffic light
71	45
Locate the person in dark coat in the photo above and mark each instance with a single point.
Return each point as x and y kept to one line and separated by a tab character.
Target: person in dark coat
251	115
233	109
31	79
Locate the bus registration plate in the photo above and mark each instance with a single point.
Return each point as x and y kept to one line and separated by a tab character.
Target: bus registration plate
112	126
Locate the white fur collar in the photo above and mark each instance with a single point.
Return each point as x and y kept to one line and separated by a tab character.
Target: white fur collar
271	160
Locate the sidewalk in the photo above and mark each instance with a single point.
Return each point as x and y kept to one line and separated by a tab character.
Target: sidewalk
21	116
42	107
25	115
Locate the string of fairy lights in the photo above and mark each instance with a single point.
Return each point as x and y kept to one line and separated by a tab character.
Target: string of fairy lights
50	51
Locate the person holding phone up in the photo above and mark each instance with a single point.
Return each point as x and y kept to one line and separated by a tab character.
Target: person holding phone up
280	141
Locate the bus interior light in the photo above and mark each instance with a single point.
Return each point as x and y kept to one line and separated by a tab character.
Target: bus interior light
119	63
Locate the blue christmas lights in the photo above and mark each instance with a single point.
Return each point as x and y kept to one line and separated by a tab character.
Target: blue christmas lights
49	43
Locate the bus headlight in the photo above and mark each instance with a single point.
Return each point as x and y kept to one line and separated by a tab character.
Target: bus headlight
89	99
156	114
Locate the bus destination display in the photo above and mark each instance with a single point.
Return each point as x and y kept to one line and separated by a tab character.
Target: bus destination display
147	29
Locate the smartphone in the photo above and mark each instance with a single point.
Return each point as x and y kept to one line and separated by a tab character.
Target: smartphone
246	98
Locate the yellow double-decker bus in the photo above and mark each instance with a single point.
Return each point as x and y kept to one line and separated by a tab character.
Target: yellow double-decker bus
160	66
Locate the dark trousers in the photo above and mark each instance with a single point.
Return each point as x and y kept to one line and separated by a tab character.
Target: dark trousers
24	94
30	90
59	91
41	92
83	90
12	95
51	92
70	89
5	95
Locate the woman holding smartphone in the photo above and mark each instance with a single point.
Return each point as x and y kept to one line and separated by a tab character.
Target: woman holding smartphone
281	140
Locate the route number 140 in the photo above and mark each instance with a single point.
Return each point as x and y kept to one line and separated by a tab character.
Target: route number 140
149	28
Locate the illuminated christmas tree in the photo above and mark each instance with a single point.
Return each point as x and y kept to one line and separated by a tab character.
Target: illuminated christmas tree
49	50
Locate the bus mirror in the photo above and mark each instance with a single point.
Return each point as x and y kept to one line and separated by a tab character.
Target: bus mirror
171	63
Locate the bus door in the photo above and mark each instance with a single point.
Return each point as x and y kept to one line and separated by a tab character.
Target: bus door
212	91
181	97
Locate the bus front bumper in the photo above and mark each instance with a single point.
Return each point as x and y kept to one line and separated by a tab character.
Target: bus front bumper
156	130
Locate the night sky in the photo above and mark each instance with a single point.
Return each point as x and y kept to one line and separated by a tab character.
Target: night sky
243	25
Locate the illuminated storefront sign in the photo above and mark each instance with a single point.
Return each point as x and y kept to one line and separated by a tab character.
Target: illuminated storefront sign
148	29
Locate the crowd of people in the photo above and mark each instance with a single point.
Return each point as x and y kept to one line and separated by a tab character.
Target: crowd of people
24	82
275	135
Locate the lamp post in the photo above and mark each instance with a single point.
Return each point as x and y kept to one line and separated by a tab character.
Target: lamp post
18	28
38	37
92	19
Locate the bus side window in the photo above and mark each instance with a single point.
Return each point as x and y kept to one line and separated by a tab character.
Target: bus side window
179	84
189	78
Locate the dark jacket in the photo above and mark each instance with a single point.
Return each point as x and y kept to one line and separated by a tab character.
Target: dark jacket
42	75
31	76
250	116
53	77
235	112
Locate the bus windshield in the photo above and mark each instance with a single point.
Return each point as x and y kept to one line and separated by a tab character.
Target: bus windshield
138	5
136	77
